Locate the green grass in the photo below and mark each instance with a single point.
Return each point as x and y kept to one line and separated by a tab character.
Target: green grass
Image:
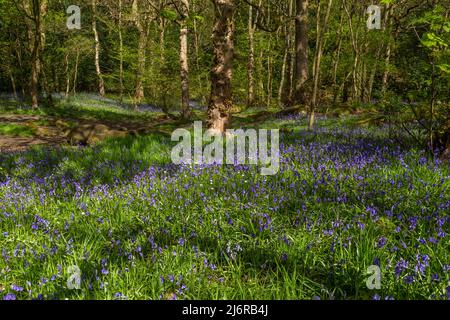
80	106
128	218
16	130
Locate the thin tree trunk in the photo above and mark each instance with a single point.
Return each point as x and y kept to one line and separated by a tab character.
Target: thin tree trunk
120	54
261	72
162	39
387	58
371	82
101	84
354	41
291	85
184	62
269	79
336	58
301	35
143	36
66	61
317	60
252	20
283	80
13	82
363	89
283	91
77	59
197	48
220	103
432	103
269	71
36	34
139	94
251	59
19	61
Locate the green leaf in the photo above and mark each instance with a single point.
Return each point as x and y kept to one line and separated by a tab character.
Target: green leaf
169	14
199	18
444	67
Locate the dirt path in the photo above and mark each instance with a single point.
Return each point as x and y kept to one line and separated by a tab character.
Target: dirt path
54	131
11	144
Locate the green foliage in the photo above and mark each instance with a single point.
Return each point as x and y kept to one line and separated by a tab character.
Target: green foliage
15	130
169	14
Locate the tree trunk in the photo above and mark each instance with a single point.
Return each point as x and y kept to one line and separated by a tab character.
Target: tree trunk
101	84
261	72
139	94
252	20
251	59
13	83
336	58
66	60
220	103
357	55
301	39
285	82
121	73
143	36
317	60
35	30
77	59
20	64
197	49
162	39
184	62
387	58
34	80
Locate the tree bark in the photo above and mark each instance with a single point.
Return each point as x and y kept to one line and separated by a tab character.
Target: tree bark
387	59
75	76
101	84
285	82
143	36
336	58
35	14
220	103
357	55
121	71
251	59
66	60
252	19
317	60
301	39
13	82
184	61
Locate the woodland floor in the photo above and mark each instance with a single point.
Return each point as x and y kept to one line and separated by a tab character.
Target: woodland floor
348	196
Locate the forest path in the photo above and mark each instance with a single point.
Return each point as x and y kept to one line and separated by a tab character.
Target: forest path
50	130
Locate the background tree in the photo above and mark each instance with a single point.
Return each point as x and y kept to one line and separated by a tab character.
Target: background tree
220	103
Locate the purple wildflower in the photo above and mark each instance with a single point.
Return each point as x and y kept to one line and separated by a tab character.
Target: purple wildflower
16	288
9	296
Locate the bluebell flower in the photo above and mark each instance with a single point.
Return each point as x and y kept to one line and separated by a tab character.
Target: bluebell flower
9	296
16	288
400	267
409	279
381	242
